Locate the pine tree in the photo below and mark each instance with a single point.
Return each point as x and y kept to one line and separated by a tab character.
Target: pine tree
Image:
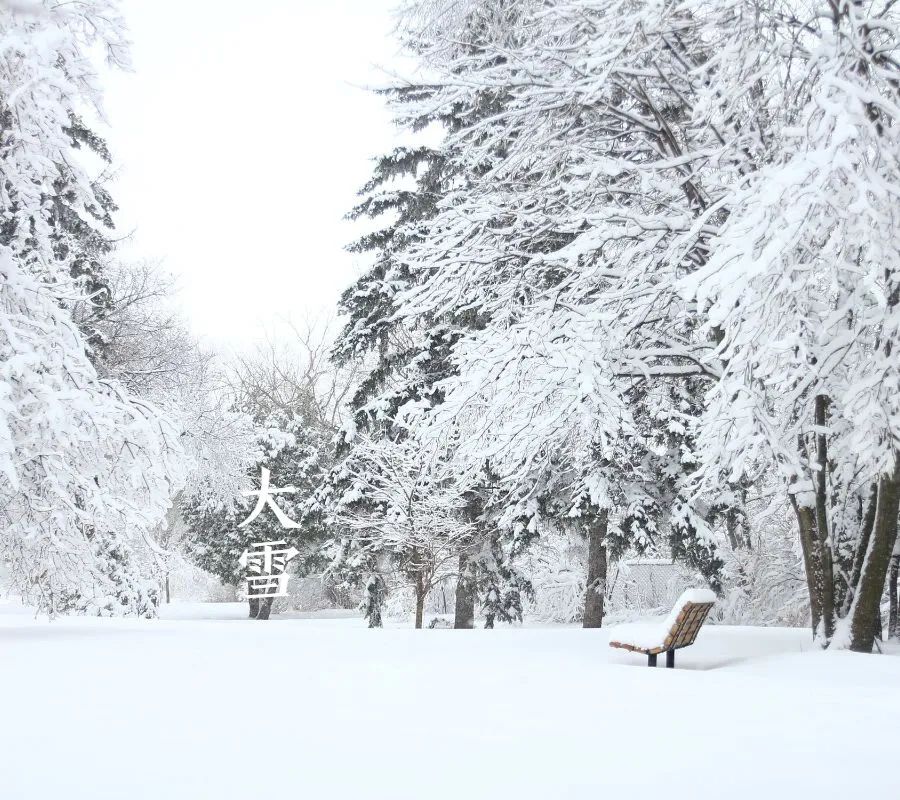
215	539
558	235
408	358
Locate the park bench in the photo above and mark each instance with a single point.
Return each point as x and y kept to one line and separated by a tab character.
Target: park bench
679	629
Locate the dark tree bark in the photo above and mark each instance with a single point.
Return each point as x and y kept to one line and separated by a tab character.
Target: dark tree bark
732	532
464	616
596	572
737	531
877	628
823	540
893	624
168	592
254	606
375	594
420	599
813	526
862	547
867	600
805	524
265	607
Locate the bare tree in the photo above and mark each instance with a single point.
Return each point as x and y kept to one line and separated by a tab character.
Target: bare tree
291	372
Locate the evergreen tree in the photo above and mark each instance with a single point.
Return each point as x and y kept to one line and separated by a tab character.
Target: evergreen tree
405	359
573	380
293	452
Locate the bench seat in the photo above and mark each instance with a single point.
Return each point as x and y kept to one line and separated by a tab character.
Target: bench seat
678	629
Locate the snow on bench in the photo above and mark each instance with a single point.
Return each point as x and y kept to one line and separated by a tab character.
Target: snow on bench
678	629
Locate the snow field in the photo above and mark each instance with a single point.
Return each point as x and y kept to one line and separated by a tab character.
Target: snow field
220	707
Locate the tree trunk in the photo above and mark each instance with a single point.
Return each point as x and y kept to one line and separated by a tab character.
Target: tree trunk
596	572
737	531
826	556
806	525
811	510
168	593
877	627
420	600
893	625
265	607
731	531
867	598
254	606
465	594
862	547
375	592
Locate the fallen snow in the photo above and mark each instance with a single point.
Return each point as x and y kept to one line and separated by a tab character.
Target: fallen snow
643	635
691	596
207	704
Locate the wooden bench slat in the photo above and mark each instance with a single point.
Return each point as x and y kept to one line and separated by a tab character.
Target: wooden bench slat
682	633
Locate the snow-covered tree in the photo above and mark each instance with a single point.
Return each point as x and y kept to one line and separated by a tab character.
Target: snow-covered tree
294	397
677	231
215	538
399	360
401	519
803	289
145	345
565	232
87	468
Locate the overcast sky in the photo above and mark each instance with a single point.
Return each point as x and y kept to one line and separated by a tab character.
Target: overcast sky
242	137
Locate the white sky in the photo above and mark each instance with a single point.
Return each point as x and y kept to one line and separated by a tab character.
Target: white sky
242	136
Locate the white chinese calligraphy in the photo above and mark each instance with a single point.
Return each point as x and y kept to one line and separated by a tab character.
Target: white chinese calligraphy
265	497
267	564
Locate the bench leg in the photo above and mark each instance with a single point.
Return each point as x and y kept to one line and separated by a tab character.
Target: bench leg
670	659
651	659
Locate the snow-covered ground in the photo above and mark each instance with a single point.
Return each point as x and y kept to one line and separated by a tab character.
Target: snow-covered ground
205	704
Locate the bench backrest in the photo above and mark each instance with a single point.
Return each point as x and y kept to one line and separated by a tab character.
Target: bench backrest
687	625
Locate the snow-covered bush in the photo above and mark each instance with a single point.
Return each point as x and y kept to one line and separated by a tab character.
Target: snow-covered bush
555	565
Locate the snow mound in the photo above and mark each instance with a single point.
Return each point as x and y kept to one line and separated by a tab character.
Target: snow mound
652	633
